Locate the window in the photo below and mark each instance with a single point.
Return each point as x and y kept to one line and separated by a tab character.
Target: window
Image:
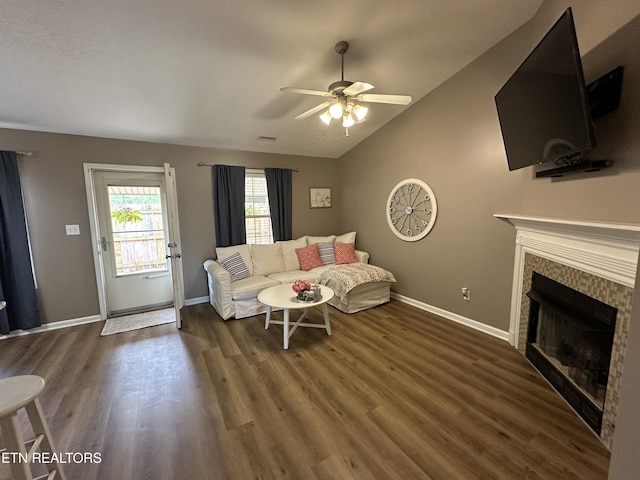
138	229
256	208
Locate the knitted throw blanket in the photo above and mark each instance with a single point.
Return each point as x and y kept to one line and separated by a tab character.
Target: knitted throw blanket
344	278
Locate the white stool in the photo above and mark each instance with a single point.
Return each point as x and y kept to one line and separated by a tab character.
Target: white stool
16	393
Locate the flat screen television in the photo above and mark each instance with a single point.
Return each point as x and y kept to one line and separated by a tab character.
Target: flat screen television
543	108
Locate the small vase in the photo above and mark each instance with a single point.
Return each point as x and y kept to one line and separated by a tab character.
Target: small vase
301	296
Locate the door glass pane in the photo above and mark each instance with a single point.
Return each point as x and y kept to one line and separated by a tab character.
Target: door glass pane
138	229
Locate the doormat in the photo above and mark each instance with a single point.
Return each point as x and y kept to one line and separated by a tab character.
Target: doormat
138	321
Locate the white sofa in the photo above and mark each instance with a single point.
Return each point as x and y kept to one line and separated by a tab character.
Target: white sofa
278	263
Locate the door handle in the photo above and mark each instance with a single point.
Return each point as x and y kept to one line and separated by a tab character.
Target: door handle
104	244
177	255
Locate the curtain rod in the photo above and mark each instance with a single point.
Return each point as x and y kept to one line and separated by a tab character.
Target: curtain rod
202	164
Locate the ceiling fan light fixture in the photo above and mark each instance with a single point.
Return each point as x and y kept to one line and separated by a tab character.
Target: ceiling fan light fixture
360	112
335	110
347	121
344	97
326	117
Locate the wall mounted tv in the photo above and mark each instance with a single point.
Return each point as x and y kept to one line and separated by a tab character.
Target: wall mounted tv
544	109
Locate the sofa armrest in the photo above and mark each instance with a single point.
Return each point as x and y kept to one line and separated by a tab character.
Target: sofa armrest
219	281
362	257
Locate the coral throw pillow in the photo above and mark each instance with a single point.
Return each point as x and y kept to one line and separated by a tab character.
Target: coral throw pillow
345	253
309	257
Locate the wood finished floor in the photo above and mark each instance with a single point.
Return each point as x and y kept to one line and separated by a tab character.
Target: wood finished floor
394	393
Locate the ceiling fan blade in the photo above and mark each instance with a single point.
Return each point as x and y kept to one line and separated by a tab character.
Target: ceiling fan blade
383	98
313	110
319	93
357	88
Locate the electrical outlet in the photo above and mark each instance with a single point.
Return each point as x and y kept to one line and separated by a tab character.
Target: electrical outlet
466	293
72	229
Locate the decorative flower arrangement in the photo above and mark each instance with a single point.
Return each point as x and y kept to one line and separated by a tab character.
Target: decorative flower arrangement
301	286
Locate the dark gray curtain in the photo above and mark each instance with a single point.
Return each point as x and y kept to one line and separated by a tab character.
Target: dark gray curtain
17	287
228	205
280	202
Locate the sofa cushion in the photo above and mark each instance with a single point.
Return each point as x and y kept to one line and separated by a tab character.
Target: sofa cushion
235	266
345	253
293	275
267	259
245	253
289	253
346	238
309	257
249	287
323	268
325	250
311	240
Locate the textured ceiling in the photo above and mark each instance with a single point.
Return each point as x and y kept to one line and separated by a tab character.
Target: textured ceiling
208	73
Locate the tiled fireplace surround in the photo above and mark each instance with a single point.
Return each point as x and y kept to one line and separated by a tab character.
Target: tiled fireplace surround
597	259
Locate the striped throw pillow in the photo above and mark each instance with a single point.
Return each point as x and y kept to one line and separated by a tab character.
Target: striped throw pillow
325	249
235	266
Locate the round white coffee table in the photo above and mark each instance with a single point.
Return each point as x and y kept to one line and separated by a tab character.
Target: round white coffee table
283	297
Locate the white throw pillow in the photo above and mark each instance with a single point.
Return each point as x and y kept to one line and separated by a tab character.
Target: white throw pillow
346	238
267	259
245	253
311	240
289	253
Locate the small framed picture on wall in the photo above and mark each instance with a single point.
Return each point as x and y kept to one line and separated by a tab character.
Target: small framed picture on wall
319	197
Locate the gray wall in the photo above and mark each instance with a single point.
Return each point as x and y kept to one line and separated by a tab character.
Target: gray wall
55	195
451	139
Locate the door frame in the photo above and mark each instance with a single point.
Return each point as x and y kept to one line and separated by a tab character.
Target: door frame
172	203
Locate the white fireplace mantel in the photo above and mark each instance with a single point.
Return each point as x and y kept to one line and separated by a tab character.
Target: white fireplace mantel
608	250
604	231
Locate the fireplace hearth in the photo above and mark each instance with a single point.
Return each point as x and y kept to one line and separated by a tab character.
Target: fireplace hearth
569	341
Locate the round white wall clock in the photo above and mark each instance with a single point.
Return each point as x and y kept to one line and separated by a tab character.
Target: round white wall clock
411	209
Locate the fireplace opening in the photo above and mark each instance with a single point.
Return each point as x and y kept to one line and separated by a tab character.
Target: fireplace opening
569	341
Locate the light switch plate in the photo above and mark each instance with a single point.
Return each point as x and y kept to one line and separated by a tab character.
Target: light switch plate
72	229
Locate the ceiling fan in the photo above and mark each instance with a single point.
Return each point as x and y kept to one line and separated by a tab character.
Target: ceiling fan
346	98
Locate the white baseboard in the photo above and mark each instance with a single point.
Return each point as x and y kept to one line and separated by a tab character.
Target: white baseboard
489	330
47	327
196	301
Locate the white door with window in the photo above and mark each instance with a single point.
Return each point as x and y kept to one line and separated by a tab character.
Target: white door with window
134	230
